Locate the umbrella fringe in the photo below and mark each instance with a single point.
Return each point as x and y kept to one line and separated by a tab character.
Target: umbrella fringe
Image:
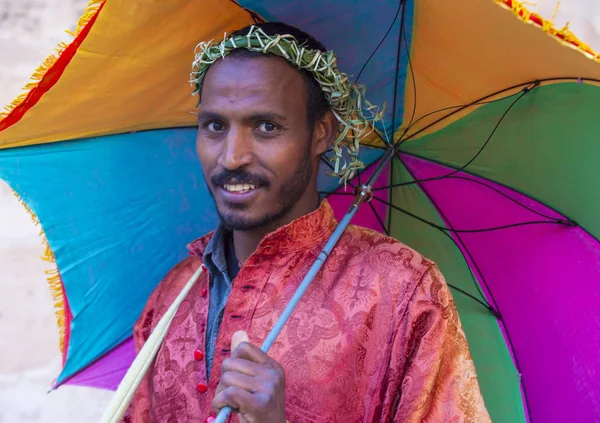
50	61
564	35
53	278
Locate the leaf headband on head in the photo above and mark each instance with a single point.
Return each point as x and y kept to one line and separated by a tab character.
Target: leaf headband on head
356	116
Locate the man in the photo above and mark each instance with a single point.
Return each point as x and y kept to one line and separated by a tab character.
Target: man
376	338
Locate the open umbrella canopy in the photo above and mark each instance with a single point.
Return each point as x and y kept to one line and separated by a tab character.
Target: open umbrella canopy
491	109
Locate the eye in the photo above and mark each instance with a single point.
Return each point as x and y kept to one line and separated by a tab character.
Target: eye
267	127
215	126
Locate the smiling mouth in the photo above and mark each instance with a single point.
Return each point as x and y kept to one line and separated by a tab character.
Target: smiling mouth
239	188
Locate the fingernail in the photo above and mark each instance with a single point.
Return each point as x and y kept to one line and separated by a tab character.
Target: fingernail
210	420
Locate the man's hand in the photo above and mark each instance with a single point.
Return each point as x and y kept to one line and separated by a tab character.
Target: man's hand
252	384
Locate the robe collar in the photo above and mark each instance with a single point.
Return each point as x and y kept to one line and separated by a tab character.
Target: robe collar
306	232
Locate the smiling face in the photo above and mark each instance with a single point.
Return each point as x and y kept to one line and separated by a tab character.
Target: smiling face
257	150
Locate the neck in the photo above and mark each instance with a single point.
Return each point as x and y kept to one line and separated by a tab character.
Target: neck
245	242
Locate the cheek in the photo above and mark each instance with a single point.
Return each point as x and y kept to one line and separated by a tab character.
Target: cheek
206	153
276	164
283	157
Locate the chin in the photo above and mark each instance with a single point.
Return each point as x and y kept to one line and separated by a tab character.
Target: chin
240	221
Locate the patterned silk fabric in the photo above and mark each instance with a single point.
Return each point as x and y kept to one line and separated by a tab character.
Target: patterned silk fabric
376	338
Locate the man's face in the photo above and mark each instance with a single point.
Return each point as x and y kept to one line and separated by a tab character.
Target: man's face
254	142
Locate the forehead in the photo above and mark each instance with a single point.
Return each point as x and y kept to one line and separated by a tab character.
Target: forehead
240	84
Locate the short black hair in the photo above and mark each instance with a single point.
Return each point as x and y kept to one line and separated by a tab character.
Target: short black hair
317	105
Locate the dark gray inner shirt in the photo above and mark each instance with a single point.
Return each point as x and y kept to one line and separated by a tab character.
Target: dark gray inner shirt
219	258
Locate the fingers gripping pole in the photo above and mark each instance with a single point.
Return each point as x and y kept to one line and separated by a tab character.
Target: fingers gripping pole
130	383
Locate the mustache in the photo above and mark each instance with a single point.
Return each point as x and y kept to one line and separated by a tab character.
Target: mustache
241	177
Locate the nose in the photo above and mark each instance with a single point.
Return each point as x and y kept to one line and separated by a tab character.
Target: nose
237	151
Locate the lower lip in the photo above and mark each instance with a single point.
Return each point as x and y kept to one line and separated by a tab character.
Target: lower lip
238	196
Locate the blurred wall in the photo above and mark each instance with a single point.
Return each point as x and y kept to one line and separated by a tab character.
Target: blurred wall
29	354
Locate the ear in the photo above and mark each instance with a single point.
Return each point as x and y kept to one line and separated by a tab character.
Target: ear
324	134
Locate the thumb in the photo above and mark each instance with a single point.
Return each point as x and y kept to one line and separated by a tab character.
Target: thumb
237	338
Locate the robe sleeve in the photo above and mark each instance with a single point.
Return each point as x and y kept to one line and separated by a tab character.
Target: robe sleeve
435	375
156	306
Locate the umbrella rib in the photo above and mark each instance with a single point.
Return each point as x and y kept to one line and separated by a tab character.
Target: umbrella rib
474	298
473	279
462	107
380	42
457	241
523	84
567	220
387	232
257	19
508	197
398	52
487	306
395	99
485	144
527	86
471	231
503	194
414	85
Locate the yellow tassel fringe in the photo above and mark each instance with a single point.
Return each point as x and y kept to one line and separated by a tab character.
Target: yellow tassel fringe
90	12
53	277
563	35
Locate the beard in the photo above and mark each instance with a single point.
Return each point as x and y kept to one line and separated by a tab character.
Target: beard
290	191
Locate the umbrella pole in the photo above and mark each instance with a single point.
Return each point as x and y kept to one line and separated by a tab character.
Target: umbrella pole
363	194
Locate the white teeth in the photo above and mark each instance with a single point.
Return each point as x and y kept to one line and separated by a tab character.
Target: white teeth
239	187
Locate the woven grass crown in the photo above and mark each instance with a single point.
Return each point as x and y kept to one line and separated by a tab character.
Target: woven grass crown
356	115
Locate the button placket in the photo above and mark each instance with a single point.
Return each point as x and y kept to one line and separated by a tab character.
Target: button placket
199	354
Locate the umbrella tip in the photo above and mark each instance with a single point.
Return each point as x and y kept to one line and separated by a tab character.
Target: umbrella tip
52	388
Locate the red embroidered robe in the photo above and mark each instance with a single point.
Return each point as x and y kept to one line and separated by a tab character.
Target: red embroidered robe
376	338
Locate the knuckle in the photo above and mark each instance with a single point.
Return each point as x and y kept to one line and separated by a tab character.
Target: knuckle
276	367
226	363
270	387
227	378
261	399
274	374
229	394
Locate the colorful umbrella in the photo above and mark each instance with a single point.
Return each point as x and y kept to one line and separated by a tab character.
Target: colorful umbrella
492	110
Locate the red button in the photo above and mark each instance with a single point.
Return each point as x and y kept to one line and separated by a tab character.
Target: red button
204	292
198	355
202	388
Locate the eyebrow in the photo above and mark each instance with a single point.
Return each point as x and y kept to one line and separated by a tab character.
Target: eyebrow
205	115
266	116
209	116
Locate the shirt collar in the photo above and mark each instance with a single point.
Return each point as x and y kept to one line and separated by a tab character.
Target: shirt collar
306	232
214	255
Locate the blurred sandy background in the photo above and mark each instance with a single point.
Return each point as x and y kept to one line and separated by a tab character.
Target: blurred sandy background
29	356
